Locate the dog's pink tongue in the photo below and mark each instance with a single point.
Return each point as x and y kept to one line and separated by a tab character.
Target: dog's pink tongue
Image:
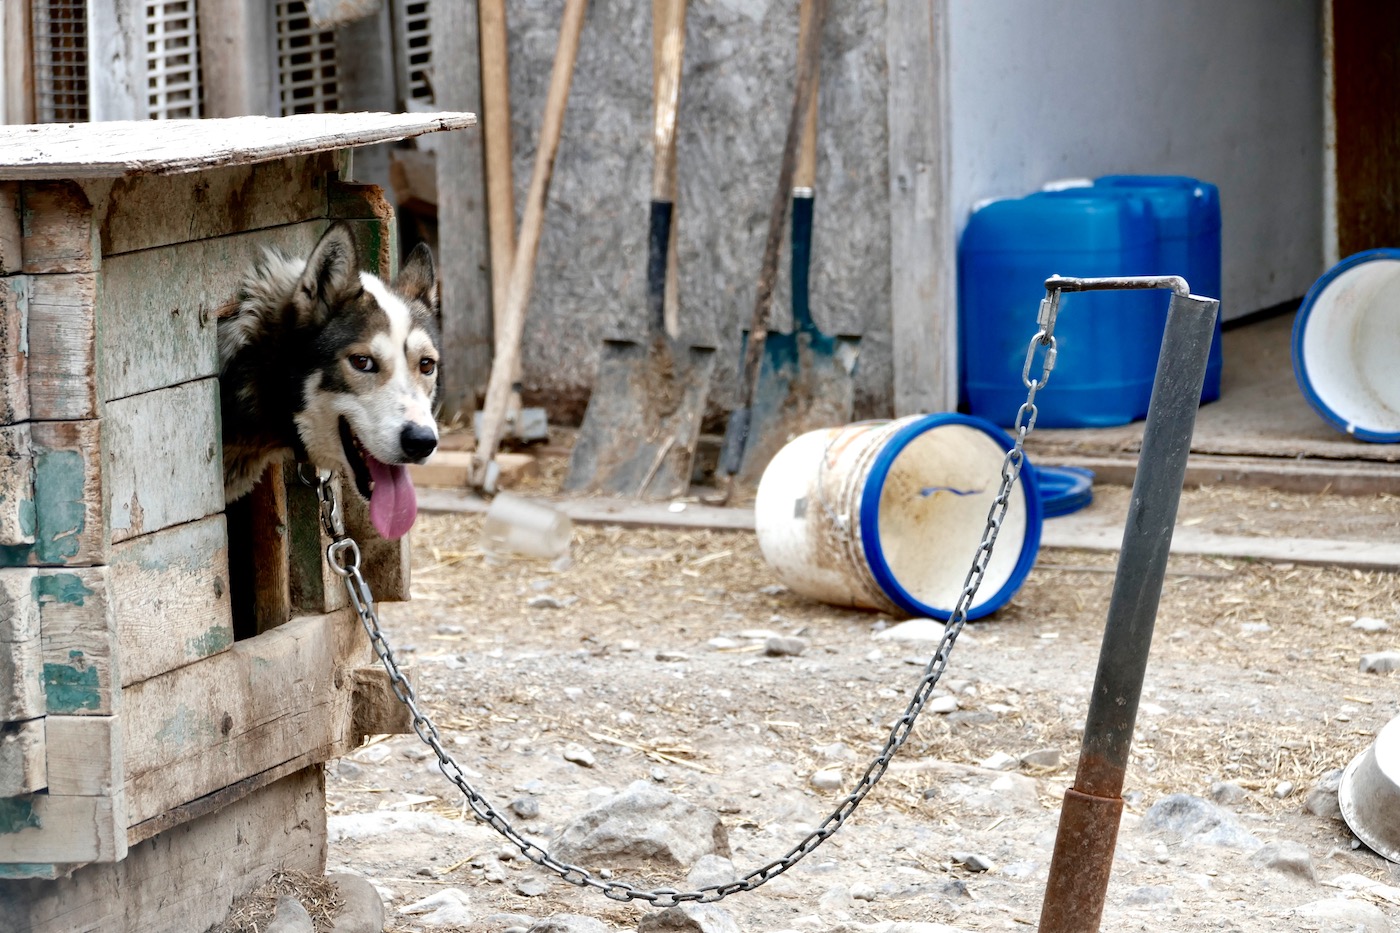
393	505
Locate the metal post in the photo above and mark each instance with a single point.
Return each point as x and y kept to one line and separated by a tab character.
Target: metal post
1088	832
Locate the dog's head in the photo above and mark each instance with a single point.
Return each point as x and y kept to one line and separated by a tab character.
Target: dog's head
367	403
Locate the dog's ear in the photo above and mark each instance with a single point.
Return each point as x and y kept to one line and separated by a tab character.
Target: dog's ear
332	275
417	279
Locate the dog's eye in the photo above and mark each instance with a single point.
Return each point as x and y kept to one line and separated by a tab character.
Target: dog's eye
364	364
427	366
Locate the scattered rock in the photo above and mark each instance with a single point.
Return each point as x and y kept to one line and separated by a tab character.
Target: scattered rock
915	630
668	655
373	754
349	770
579	755
1290	858
773	589
501	923
415	753
291	917
448	907
1047	758
974	861
1345	915
861	891
1228	793
357	826
1368	624
1283	788
544	602
362	909
451	629
826	779
1198	821
998	761
1381	662
1322	798
946	704
527	808
570	923
711	869
531	887
643	825
1149	895
784	646
694	918
721	643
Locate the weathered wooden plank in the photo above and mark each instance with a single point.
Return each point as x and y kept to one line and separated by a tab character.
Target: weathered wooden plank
923	307
83	755
56	228
170	598
167	147
11	252
77	625
186	878
16	485
264	702
272	592
462	231
164	464
69	526
21	654
147	211
14	349
234	42
371	216
63	347
159	326
314	587
22	769
45	828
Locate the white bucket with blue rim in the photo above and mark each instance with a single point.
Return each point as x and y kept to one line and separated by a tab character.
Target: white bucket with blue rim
1346	341
888	515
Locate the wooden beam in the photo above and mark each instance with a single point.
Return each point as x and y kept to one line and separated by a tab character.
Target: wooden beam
16	485
57	234
83	755
14	349
78	632
17	58
170	598
923	297
235	39
11	238
21	654
268	700
272	586
69	521
116	39
22	768
62	358
465	285
45	828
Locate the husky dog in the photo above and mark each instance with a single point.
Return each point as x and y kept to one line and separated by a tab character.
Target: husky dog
324	362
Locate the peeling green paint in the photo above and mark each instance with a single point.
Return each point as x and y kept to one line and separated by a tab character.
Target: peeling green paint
18	871
16	814
60	587
58	495
69	688
216	639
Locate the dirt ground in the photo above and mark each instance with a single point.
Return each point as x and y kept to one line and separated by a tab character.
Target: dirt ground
649	654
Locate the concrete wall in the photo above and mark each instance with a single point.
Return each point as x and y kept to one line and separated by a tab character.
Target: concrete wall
1228	92
736	91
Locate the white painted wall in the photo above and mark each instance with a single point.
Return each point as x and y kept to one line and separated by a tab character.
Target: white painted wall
1230	92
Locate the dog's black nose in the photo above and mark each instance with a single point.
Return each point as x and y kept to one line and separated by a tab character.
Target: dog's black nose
417	441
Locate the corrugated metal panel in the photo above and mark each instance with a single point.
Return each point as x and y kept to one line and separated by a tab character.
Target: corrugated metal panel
60	61
306	62
172	60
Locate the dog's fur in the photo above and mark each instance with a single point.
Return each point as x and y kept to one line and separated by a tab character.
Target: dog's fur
322	361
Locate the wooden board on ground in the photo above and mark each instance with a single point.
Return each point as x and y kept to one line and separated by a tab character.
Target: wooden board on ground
1310	475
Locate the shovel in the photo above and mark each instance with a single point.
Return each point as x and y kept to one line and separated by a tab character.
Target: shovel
805	380
740	427
643	420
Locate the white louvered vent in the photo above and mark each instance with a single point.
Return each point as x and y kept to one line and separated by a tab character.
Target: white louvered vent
413	28
60	60
307	79
172	60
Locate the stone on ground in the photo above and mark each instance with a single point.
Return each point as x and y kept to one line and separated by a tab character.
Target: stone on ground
362	910
689	918
291	917
1199	822
1290	858
644	826
447	908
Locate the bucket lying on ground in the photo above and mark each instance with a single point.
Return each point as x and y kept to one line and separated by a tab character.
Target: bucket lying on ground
1346	341
888	515
1370	793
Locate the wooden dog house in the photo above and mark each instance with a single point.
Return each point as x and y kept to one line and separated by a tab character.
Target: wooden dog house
153	766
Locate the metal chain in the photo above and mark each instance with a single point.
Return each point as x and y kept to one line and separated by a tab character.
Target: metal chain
344	557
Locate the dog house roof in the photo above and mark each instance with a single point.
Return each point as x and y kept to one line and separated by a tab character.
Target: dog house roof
169	147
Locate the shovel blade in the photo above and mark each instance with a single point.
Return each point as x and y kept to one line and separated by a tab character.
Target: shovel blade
643	420
806	381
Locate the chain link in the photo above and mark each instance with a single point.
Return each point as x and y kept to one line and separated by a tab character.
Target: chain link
344	557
